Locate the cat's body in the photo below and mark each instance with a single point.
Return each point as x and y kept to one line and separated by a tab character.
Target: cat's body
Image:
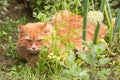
69	25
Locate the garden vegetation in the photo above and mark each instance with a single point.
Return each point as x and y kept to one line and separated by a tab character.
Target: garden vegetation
101	62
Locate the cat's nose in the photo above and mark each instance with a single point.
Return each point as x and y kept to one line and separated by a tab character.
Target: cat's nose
33	48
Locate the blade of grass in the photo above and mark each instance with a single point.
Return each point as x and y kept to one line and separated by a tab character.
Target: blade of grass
107	16
93	7
109	20
102	5
109	24
117	22
109	10
76	9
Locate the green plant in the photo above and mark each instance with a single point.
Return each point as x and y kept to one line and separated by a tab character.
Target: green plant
4	4
116	27
73	70
47	8
98	25
97	60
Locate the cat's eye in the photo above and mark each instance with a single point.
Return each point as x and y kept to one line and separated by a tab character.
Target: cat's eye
45	31
28	40
39	40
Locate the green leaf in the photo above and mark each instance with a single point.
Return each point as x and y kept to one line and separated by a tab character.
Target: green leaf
38	2
64	72
84	75
73	70
102	5
99	48
103	73
104	61
116	27
10	38
4	33
88	57
71	58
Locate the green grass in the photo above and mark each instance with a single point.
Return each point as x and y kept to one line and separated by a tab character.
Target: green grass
101	62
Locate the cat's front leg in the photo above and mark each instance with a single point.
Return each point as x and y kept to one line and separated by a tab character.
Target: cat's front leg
33	60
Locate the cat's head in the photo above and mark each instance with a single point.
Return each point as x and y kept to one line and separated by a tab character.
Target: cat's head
32	36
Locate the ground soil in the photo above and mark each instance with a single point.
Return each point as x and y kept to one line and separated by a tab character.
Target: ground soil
14	10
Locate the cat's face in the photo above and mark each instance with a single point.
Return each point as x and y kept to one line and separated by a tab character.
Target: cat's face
32	36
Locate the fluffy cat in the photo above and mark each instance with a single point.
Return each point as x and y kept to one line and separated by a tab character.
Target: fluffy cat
31	37
66	24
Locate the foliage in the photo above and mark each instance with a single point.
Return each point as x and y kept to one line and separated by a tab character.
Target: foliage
45	8
116	27
98	62
3	3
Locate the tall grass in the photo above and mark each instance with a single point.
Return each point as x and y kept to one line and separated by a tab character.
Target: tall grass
113	26
109	21
116	27
93	6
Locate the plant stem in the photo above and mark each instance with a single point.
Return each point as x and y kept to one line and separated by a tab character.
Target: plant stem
96	33
93	5
98	25
85	19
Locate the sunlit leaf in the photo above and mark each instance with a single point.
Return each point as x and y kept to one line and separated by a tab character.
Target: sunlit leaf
89	58
84	75
104	61
103	73
99	48
71	58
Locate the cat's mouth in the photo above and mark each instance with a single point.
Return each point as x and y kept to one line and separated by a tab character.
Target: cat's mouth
33	51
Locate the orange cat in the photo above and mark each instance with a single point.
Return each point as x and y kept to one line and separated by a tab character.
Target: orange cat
31	38
68	25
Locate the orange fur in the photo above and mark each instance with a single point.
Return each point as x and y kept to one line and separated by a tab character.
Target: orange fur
31	38
69	24
32	35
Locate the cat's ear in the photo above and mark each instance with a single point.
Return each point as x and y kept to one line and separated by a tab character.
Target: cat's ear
20	28
48	28
43	25
47	25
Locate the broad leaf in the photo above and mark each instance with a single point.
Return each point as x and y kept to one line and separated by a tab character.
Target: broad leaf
104	61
